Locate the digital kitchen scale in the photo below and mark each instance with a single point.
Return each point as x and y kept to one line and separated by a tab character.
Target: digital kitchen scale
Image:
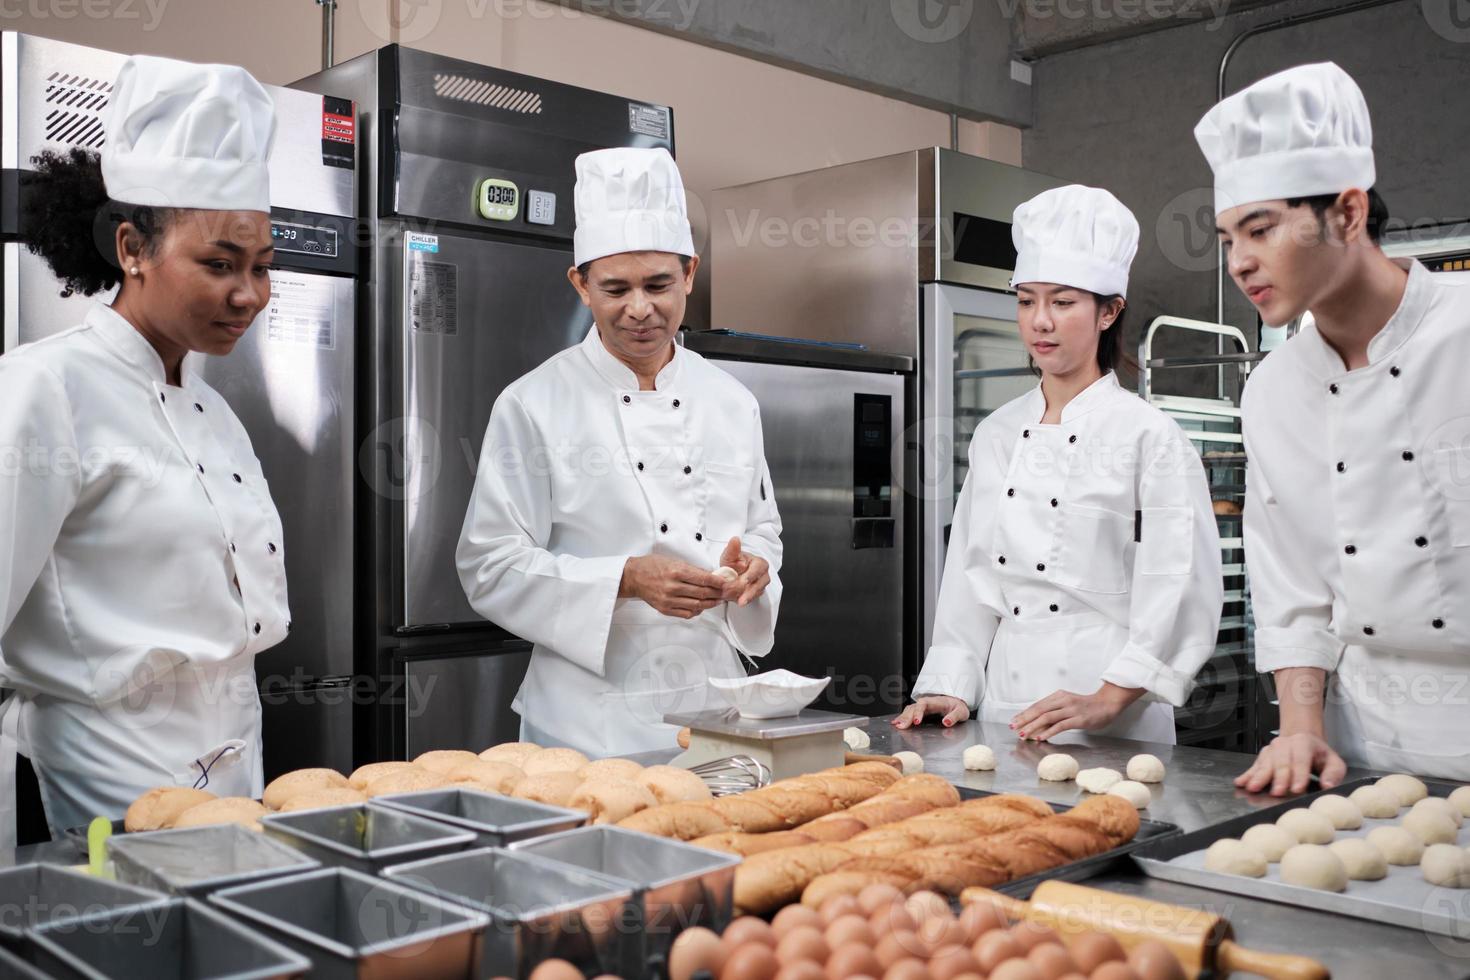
805	742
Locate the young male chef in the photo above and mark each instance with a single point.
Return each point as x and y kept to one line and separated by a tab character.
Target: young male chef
1357	432
623	518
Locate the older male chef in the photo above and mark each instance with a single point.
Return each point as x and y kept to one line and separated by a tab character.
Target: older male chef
615	480
1357	515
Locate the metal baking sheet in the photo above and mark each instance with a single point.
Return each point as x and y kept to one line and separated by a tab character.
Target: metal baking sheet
1403	898
727	721
1149	832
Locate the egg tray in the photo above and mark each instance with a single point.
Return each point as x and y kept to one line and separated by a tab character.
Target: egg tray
1149	832
1403	898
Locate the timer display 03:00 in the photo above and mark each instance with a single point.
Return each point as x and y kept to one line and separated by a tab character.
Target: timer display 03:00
497	200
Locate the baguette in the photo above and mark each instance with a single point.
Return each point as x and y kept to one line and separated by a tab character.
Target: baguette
747	844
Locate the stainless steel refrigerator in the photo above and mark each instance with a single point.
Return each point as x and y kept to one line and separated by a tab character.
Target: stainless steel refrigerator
467	178
290	378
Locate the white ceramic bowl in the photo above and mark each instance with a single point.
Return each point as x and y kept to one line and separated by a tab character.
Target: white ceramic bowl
774	694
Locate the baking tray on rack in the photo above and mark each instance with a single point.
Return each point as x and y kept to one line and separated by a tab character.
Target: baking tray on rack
1149	832
1403	898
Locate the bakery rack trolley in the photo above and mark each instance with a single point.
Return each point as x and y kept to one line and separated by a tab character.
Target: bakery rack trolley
1231	707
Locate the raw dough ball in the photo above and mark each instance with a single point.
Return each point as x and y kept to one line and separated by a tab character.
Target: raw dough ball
1134	792
1313	866
1397	844
1233	857
1438	804
227	809
727	573
1146	769
159	808
1307	827
1363	861
857	740
1343	812
979	758
611	800
1270	840
1057	768
1444	865
670	784
1408	789
1099	780
553	760
910	761
318	799
614	768
1431	827
1376	802
1460	800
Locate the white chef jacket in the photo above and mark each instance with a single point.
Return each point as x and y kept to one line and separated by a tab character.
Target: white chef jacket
581	471
1357	528
142	572
1080	553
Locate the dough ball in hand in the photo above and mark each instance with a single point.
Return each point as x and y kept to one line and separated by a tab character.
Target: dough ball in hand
1341	811
1270	840
1307	827
1431	827
1399	846
979	758
1314	866
1363	861
1146	769
1099	780
1058	767
1376	802
1408	789
1134	792
1445	865
1234	857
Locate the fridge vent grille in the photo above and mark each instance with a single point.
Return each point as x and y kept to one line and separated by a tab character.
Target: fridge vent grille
486	93
76	103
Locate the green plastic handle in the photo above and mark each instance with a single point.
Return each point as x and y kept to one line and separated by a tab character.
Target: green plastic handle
98	831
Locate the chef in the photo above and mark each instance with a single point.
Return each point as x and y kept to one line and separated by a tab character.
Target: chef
1357	431
1082	586
142	567
617	480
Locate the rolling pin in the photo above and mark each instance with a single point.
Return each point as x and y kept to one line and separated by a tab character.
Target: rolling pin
848	759
1201	940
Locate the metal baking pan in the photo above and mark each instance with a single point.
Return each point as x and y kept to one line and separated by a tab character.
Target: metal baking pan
34	894
364	836
1403	898
13	966
538	909
496	821
1148	832
350	925
197	860
675	885
180	938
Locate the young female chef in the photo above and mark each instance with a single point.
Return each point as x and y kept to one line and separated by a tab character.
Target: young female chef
1082	588
142	561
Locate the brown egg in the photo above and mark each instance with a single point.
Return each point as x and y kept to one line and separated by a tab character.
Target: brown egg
802	943
900	944
1016	969
793	916
894	917
556	970
1092	949
1114	971
952	961
979	918
852	960
752	961
802	970
908	970
924	905
850	928
939	932
748	929
694	950
876	897
995	947
1152	960
1030	934
837	906
1052	960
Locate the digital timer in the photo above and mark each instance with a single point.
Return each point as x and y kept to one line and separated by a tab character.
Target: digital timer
304	239
497	200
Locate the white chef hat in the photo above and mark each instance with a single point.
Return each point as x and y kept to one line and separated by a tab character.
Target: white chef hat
1075	236
630	200
182	135
1299	133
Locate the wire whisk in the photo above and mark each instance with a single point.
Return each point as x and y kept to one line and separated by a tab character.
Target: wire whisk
734	774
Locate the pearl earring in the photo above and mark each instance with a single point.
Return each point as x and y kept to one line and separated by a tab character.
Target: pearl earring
133	271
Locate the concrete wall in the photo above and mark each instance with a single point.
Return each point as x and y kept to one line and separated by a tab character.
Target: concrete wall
1121	116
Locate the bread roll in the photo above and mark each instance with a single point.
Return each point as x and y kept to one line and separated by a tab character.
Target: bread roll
445	761
670	784
159	808
410	780
553	788
320	798
494	777
611	800
229	809
614	768
515	753
363	775
283	788
554	760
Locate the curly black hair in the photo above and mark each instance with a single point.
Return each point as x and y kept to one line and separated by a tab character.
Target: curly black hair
70	222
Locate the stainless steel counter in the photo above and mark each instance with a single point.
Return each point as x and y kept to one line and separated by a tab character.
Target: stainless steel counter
1198	790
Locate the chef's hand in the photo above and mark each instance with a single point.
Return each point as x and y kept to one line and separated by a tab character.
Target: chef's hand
672	587
1063	711
1287	764
953	709
754	574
